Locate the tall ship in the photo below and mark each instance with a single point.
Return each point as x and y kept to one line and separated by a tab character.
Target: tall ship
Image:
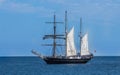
70	53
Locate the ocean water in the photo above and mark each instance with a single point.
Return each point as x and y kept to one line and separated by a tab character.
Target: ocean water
36	66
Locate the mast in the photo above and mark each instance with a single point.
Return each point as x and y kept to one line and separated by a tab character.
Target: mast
54	41
65	33
80	33
54	37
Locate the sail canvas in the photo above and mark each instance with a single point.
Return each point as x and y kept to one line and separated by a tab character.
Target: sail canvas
84	45
71	50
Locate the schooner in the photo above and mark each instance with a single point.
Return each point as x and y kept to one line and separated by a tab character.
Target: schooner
71	56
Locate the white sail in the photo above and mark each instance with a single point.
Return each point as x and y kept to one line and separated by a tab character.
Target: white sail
71	51
84	45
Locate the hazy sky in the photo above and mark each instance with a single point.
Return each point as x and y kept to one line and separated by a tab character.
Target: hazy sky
22	24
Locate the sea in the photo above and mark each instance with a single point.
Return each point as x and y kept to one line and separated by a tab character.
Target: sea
99	65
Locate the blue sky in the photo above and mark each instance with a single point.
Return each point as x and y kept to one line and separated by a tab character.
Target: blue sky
22	24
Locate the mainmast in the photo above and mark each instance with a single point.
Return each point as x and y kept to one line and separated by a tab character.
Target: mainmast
80	33
54	36
65	33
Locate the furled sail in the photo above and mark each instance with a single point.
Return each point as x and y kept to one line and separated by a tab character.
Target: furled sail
71	50
84	45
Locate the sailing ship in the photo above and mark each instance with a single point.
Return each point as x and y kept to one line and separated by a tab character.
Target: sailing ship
71	56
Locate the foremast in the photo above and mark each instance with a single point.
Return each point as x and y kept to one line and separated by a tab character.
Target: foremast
54	36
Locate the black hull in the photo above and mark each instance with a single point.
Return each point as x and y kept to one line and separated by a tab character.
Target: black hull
50	60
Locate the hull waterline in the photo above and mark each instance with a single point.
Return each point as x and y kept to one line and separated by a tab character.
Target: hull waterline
49	60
